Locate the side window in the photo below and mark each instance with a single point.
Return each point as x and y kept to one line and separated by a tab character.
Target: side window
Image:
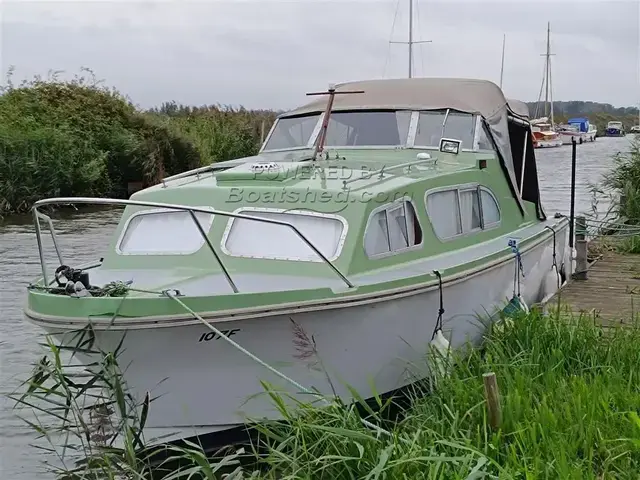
490	210
470	210
444	213
163	232
460	211
392	229
484	142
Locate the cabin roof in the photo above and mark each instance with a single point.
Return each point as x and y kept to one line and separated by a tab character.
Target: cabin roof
466	95
361	171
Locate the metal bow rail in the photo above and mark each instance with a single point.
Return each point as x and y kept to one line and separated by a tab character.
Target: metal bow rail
37	215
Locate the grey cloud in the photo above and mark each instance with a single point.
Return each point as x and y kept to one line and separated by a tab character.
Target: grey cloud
267	54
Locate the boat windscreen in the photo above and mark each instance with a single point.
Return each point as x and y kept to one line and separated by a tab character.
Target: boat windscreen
292	132
368	128
434	125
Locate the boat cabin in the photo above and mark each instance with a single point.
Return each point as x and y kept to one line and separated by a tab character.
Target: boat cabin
410	169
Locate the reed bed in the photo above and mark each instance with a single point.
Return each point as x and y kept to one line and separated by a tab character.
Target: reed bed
80	138
570	399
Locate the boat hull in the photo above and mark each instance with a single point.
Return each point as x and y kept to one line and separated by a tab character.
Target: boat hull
205	385
614	132
567	137
548	143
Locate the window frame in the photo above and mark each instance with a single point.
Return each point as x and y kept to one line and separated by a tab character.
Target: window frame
465	188
309	213
387	207
414	118
403	146
310	143
447	111
155	211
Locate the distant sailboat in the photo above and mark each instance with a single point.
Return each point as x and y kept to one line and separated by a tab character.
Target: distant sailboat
544	134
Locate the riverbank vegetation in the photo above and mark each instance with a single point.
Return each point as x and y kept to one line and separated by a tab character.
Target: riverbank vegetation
80	138
569	401
624	180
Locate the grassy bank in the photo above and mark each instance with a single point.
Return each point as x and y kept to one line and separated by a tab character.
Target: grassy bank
79	138
569	394
624	180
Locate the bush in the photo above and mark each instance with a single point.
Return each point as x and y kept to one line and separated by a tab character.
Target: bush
219	133
78	138
624	178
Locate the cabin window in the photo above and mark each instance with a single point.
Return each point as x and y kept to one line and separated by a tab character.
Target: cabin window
368	128
164	232
462	210
457	125
250	238
484	139
470	210
392	229
292	132
444	213
490	210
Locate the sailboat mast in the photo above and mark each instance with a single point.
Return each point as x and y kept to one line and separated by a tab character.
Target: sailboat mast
411	42
547	65
410	37
504	38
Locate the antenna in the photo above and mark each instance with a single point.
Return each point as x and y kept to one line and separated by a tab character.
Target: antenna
504	38
325	122
411	42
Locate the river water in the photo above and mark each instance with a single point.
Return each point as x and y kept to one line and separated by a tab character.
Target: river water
87	233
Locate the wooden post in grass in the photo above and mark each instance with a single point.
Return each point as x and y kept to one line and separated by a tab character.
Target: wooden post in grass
581	249
492	395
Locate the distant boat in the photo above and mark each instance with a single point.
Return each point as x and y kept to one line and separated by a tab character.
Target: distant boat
568	133
614	129
543	134
543	130
578	128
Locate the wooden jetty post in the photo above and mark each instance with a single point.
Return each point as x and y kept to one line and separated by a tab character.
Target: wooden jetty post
492	395
581	249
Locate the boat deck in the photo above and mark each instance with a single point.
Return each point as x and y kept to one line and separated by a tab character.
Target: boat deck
611	292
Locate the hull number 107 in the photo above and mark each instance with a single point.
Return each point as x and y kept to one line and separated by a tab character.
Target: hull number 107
206	337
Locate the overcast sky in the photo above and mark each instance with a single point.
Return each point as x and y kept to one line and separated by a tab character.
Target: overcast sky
267	54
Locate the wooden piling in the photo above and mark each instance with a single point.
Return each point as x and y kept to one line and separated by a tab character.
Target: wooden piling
581	249
492	396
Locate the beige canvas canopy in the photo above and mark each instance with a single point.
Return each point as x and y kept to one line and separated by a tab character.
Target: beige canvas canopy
480	97
466	95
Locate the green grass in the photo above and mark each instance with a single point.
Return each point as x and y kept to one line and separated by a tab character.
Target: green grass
570	397
570	394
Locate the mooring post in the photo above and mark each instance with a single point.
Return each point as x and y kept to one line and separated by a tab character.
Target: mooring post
492	396
572	208
581	249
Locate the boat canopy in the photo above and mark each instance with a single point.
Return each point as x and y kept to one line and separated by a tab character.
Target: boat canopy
581	122
479	97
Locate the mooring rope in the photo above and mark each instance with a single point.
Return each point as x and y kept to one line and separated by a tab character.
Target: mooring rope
441	309
554	263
